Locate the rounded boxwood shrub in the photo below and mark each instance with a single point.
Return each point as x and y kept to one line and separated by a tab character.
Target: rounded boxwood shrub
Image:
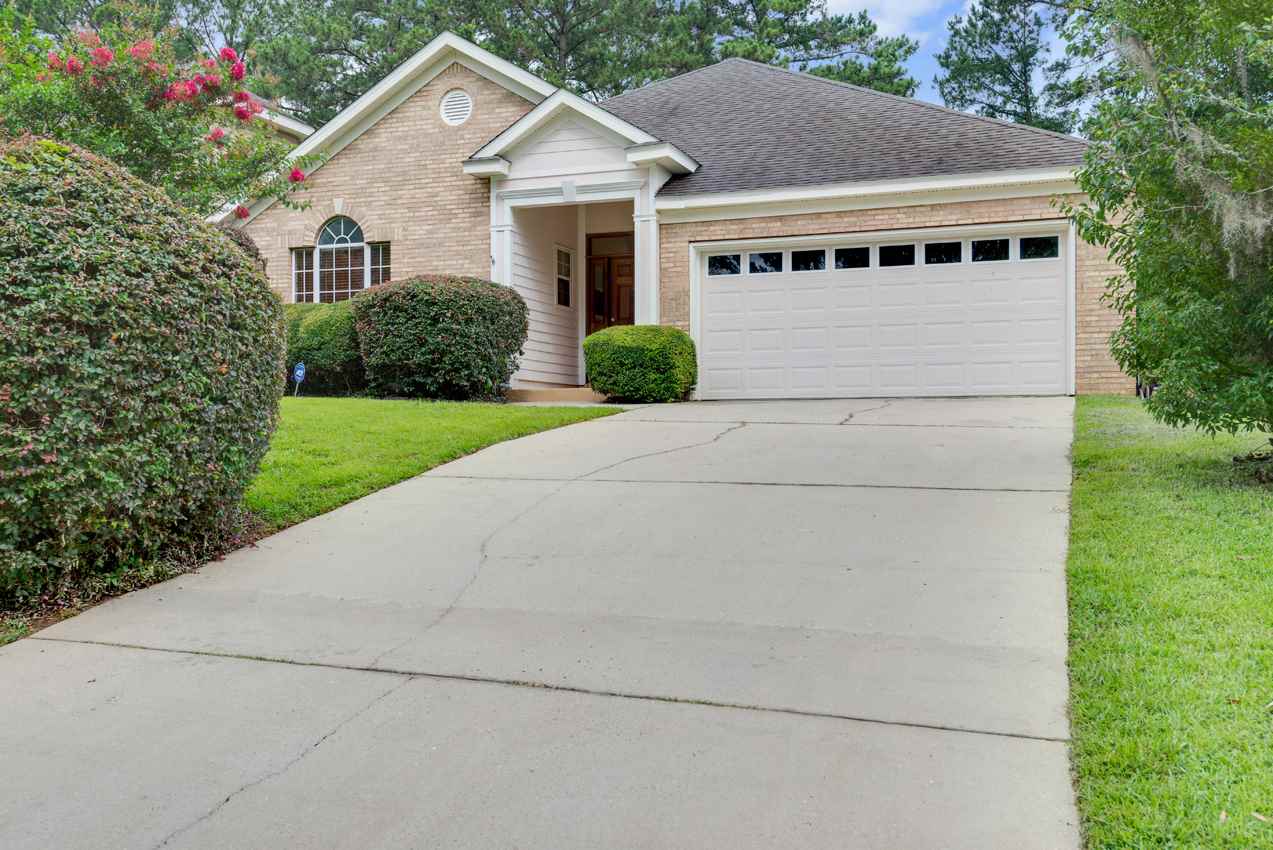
437	336
141	363
641	363
325	339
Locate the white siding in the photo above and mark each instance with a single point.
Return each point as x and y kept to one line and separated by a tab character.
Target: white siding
571	142
552	346
610	218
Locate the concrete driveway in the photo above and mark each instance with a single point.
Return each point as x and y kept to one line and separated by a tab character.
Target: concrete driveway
718	625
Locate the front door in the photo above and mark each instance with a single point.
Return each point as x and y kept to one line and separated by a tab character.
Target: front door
611	292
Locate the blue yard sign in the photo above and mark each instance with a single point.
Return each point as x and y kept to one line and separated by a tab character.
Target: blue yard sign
298	375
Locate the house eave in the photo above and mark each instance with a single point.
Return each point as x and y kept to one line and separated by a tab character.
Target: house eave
664	154
490	166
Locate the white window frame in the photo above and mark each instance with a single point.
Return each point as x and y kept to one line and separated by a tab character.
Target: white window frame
922	252
870	259
742	269
916	259
1012	242
313	272
790	266
1060	248
786	267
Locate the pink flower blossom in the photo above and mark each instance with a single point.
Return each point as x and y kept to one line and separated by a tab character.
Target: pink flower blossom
74	66
256	107
243	112
154	67
142	50
242	97
238	71
228	54
209	63
55	61
191	90
101	56
88	38
212	81
297	176
242	211
170	93
216	135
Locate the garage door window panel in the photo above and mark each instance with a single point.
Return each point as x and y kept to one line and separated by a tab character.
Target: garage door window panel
893	256
764	262
724	264
943	253
1040	247
990	250
853	258
809	261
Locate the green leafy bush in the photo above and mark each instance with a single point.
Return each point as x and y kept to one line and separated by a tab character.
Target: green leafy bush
141	363
438	336
641	363
325	339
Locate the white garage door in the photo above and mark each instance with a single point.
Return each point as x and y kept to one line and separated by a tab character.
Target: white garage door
947	314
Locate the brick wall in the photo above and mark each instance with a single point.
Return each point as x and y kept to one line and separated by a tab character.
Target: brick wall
403	181
1095	372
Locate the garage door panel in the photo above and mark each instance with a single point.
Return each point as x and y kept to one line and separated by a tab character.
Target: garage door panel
953	329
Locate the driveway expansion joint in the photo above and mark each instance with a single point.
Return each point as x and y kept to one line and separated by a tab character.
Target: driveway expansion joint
409	675
711	482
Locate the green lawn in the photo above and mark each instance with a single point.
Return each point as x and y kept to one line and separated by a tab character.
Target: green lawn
329	451
1171	635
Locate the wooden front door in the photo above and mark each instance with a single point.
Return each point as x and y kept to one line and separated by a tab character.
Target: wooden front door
611	292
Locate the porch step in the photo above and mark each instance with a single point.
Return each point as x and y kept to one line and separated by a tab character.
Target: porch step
565	394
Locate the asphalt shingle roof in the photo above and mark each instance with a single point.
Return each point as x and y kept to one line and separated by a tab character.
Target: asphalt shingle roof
755	126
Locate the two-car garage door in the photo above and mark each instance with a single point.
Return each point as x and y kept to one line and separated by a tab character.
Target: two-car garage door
939	313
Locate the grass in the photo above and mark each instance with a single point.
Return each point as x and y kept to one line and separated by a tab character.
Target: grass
1171	635
329	451
326	452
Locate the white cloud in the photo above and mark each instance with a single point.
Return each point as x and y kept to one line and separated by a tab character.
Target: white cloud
894	17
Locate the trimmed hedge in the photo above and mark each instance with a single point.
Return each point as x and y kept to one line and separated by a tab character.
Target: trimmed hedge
141	363
325	338
641	363
437	336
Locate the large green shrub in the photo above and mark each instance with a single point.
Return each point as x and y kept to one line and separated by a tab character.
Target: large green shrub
438	336
641	363
141	363
324	338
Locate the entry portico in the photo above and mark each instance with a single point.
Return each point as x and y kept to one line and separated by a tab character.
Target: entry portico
567	173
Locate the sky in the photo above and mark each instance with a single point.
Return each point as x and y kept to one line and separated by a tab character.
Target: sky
922	20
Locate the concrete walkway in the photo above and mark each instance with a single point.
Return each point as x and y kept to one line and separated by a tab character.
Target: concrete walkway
726	625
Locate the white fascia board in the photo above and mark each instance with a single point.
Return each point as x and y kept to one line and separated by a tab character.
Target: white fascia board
287	124
664	154
491	166
559	102
881	188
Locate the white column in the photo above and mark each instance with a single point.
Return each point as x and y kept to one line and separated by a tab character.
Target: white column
501	237
645	228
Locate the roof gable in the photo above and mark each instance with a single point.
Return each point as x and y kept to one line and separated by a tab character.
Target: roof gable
754	126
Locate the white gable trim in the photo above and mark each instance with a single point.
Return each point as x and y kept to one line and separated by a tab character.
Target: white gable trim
664	154
287	123
404	81
560	103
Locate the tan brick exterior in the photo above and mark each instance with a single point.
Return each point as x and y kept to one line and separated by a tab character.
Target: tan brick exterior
1095	372
403	181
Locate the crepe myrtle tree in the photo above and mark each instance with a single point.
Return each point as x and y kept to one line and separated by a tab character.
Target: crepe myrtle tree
189	127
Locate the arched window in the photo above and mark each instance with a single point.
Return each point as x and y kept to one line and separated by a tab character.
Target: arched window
346	264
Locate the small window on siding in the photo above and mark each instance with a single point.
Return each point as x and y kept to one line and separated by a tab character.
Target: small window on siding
1040	247
302	274
379	262
456	106
989	250
764	262
564	277
722	264
943	253
897	255
853	258
809	261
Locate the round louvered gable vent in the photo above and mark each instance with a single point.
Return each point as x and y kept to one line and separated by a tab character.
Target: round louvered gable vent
457	106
